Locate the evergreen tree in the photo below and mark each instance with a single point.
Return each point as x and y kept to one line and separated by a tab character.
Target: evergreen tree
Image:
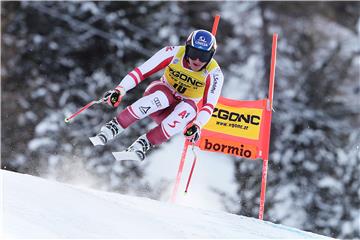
313	177
58	56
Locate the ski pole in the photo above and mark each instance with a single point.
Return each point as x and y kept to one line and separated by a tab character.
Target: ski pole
192	168
82	109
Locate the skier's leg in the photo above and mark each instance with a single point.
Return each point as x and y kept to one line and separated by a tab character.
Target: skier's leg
156	97
159	116
174	123
140	147
107	132
136	151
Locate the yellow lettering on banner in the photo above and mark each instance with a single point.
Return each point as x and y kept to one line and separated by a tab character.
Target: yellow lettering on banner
236	121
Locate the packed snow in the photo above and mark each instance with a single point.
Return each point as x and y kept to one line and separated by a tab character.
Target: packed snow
38	208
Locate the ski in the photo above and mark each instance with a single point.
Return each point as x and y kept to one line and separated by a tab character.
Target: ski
124	155
96	140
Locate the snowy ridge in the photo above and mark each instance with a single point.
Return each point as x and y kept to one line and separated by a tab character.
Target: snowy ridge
37	208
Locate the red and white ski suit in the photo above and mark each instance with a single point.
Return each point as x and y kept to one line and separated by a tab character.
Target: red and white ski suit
172	100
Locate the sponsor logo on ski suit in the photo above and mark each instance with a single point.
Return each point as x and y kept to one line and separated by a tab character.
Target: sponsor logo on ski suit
187	83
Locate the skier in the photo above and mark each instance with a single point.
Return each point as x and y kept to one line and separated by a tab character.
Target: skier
191	74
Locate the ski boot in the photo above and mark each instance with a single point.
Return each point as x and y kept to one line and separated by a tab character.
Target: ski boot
136	151
107	132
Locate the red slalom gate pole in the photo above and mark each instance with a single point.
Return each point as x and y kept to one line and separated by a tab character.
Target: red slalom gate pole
215	25
181	167
263	189
186	144
268	114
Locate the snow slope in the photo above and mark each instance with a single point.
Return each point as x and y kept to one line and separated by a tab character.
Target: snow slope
33	207
212	171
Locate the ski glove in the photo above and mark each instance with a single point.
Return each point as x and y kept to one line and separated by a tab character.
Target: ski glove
192	133
113	97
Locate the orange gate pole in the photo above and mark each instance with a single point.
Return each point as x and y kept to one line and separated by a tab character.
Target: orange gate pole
268	127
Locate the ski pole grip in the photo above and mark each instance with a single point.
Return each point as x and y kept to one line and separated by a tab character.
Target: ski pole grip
115	97
190	132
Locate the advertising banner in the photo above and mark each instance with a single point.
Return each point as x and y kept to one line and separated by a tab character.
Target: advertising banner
236	128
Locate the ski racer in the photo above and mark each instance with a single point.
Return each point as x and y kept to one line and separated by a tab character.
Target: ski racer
191	74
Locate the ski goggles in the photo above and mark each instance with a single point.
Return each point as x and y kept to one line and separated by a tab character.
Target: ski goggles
194	53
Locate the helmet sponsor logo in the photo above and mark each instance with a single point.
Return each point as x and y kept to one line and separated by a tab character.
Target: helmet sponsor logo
202	41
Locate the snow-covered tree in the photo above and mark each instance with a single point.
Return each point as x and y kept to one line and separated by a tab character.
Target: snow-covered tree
313	176
58	56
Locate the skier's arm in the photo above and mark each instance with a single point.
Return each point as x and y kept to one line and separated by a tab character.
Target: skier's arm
211	96
157	62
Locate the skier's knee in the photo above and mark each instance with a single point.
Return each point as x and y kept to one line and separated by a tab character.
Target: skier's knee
160	99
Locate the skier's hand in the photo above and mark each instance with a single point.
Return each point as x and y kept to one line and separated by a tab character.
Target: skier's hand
192	133
113	97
